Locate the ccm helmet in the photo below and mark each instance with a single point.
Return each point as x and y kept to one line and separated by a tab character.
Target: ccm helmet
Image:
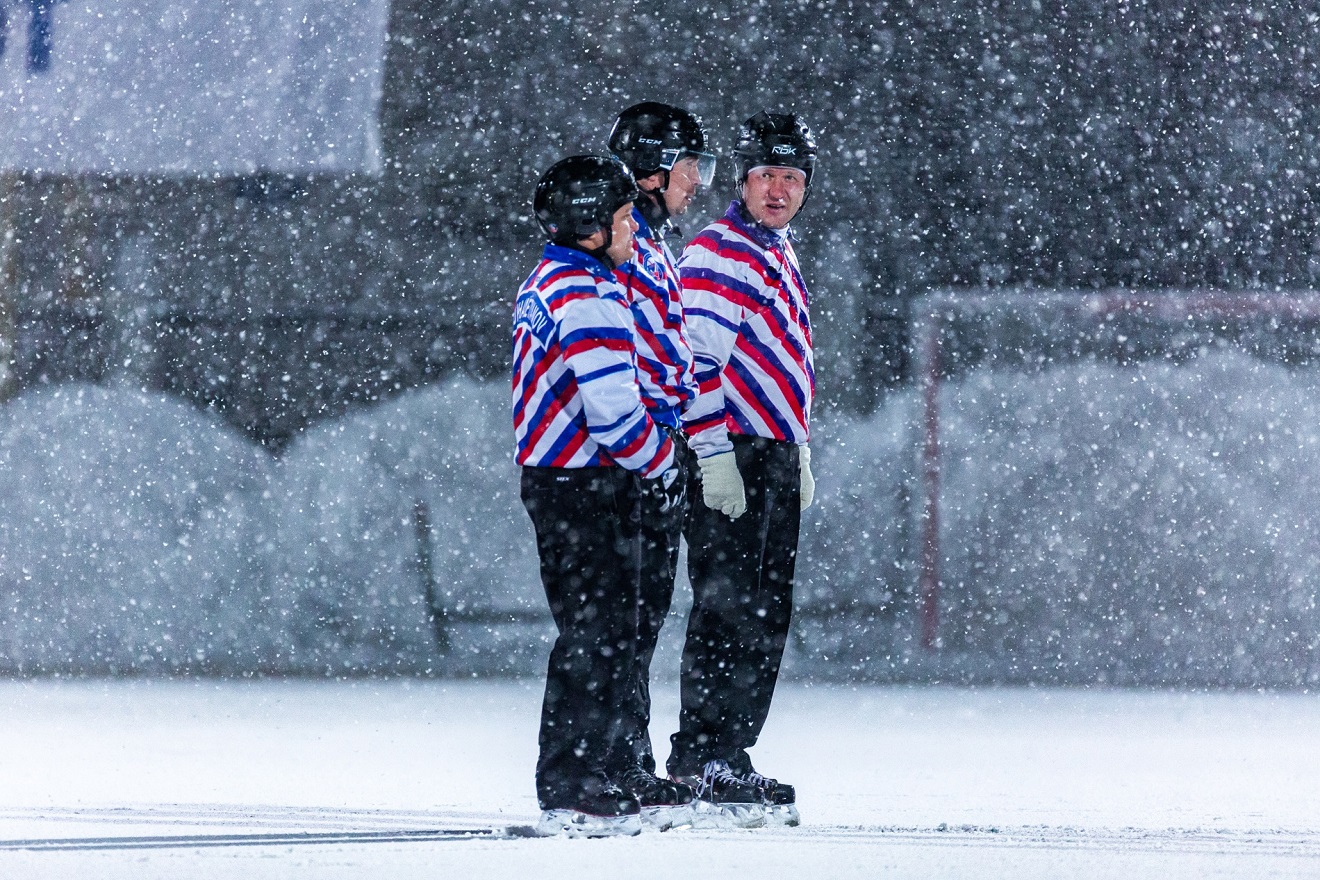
775	139
651	137
578	197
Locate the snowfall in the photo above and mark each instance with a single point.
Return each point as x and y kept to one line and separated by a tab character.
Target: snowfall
220	664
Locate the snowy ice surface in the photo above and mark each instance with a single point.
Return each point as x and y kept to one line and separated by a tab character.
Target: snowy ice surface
893	782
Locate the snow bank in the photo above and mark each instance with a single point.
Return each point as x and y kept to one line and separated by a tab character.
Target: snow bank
134	536
1151	523
1140	524
143	536
351	554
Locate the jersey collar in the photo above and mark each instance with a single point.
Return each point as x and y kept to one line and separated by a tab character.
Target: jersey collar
574	257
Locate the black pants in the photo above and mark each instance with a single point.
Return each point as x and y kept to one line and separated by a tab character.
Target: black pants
662	531
588	535
742	605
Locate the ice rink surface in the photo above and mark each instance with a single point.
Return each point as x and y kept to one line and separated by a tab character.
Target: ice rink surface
407	779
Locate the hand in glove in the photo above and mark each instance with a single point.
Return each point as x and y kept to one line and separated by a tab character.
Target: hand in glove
667	489
722	485
808	481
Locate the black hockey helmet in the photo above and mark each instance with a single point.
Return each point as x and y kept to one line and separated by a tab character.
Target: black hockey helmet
578	196
775	139
651	137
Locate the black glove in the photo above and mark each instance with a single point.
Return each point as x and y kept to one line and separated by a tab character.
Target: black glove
667	489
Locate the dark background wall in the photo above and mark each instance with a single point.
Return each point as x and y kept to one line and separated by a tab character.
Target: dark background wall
963	144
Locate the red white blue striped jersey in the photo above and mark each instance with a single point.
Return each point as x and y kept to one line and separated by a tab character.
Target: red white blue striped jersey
745	305
664	358
575	397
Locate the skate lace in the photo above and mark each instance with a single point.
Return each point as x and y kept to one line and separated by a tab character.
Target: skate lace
716	771
760	781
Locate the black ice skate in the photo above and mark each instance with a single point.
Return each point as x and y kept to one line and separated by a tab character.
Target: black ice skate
723	800
780	798
665	803
598	809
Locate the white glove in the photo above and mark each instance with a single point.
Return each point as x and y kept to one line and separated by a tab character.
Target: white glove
722	485
808	481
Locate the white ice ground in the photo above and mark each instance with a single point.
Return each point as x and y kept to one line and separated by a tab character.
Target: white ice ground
153	779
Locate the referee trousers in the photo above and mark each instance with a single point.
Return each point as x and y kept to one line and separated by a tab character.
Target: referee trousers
742	588
588	537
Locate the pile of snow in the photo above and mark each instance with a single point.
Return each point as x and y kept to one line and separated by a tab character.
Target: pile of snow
350	561
1149	523
1153	523
135	537
143	536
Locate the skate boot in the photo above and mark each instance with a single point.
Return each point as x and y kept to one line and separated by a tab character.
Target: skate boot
780	798
723	800
665	803
599	808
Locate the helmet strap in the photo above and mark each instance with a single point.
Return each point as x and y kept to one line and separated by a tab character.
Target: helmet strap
602	253
654	209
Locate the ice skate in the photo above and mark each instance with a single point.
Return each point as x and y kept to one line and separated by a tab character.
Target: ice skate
723	800
665	803
780	798
599	809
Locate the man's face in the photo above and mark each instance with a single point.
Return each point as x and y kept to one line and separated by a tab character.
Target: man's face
773	194
621	245
684	181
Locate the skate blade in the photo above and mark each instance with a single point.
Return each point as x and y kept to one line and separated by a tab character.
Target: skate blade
783	815
571	823
663	818
725	816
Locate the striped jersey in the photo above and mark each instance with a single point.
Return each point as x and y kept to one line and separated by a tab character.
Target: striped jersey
575	397
745	306
664	358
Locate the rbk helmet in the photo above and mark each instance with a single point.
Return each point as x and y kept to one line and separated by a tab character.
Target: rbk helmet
775	139
651	137
578	196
